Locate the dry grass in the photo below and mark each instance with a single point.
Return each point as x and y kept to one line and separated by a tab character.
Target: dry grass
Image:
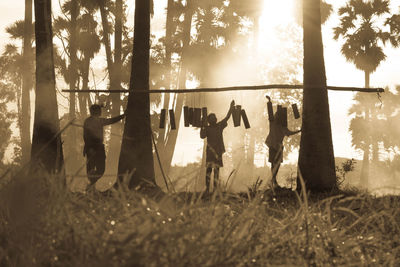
43	225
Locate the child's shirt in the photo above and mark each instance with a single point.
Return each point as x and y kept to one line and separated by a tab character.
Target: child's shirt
215	139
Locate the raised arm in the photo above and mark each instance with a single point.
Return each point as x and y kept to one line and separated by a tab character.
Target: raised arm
289	132
112	120
224	120
270	109
203	132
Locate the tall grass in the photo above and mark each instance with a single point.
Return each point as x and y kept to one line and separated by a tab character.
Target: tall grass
42	224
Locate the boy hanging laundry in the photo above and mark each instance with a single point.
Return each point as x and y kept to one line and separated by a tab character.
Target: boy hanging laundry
215	145
274	141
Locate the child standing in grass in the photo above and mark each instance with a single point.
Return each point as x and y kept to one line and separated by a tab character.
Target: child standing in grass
93	138
215	145
274	141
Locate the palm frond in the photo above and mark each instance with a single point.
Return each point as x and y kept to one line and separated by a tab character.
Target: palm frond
16	30
380	7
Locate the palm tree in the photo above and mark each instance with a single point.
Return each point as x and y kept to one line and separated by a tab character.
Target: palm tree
11	64
89	45
136	156
361	27
316	159
46	142
21	31
79	47
373	130
326	11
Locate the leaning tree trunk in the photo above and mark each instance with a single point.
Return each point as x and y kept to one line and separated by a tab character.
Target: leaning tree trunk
316	159
27	84
46	142
136	157
364	178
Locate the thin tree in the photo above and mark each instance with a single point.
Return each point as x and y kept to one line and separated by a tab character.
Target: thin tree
73	74
173	135
19	31
115	84
89	46
27	84
11	62
136	157
170	28
113	67
46	143
361	27
316	159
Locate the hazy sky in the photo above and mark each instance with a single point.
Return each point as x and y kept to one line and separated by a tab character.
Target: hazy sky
339	72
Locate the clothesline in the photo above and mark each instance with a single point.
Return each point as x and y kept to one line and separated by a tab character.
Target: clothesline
231	88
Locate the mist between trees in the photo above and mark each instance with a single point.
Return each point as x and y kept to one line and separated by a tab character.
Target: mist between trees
203	44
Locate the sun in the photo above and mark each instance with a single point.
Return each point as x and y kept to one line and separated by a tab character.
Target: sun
275	13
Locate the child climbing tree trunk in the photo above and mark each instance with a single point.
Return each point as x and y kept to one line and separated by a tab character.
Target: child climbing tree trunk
46	145
136	157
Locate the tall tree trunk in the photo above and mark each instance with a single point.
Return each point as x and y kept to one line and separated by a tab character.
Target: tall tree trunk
316	159
173	135
136	156
161	140
46	149
73	75
83	97
364	178
106	39
27	85
115	84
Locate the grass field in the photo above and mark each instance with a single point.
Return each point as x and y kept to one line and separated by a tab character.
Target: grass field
42	224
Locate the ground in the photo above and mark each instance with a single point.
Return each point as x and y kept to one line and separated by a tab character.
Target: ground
43	224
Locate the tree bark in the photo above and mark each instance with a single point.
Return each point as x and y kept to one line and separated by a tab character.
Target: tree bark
27	85
115	84
46	126
316	158
136	157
